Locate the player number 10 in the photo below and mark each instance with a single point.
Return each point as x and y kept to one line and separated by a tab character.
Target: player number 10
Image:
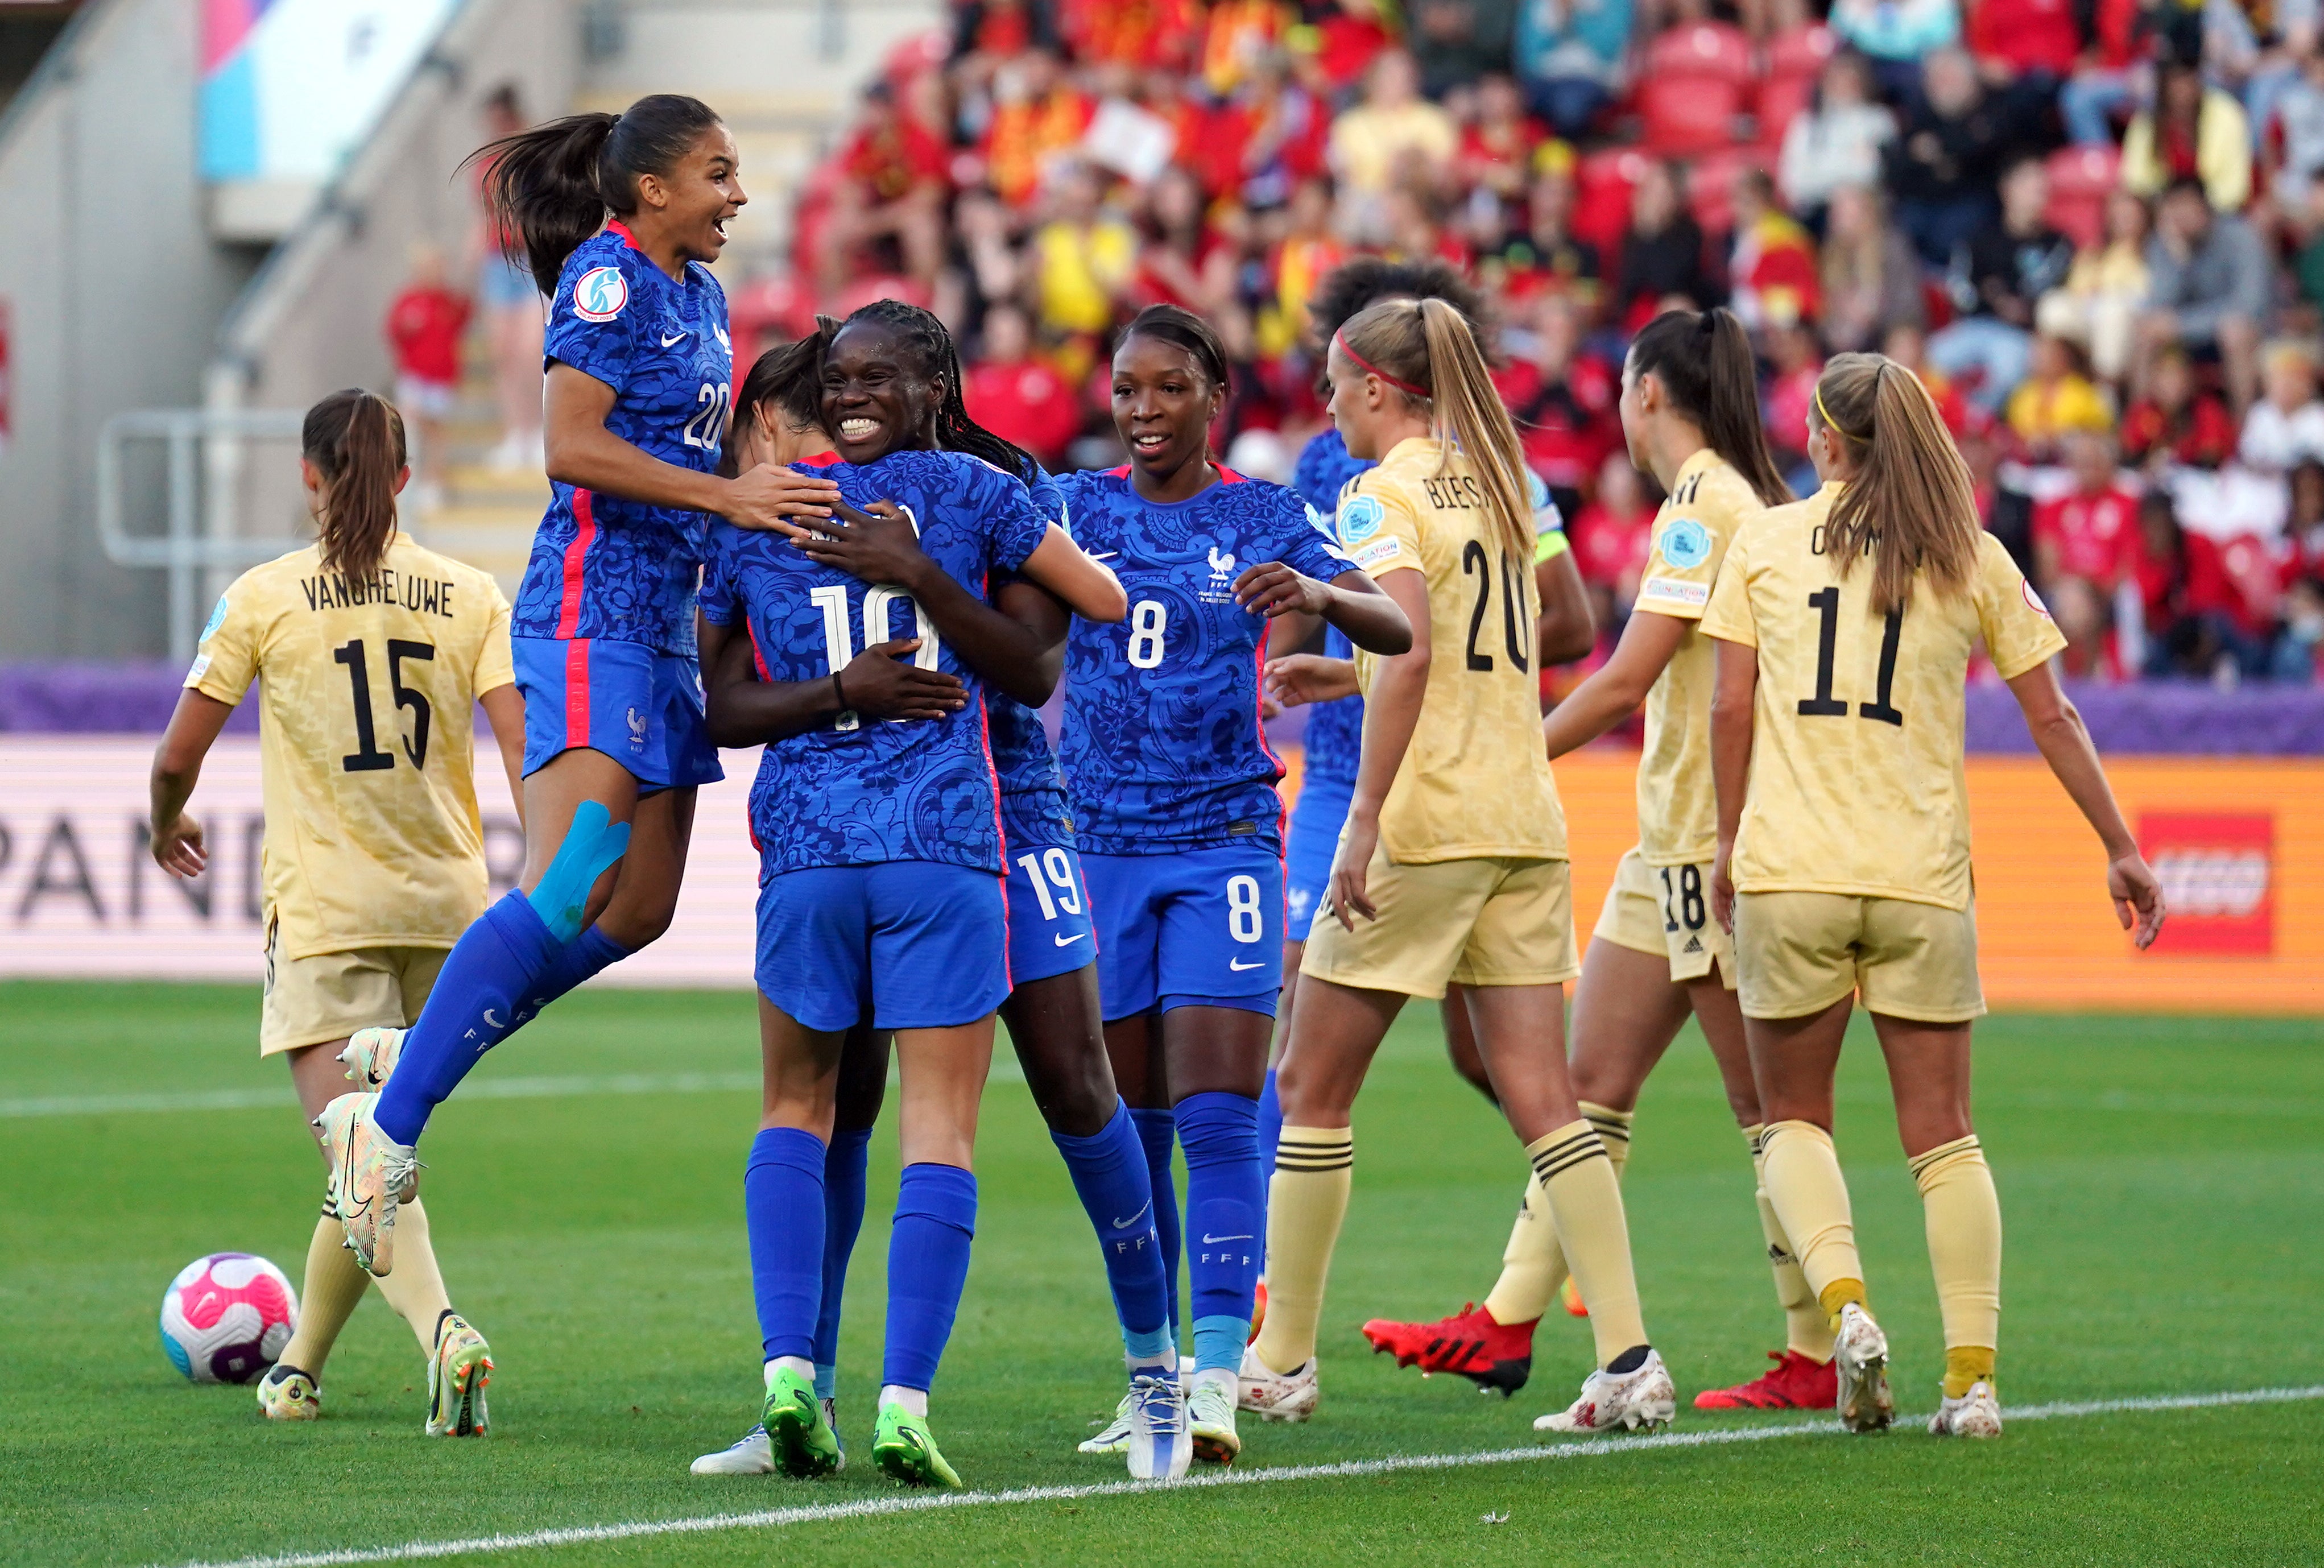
1060	871
838	640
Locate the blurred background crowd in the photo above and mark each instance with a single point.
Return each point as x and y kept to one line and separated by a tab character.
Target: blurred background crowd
2095	229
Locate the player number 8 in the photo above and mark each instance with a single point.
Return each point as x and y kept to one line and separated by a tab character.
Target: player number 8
1244	922
1146	624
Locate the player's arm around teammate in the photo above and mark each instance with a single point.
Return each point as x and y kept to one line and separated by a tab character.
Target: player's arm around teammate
361	626
1452	867
1845	626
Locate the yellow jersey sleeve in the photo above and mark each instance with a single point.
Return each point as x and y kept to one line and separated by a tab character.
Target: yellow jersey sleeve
1378	526
2018	632
226	660
1708	502
495	664
1727	616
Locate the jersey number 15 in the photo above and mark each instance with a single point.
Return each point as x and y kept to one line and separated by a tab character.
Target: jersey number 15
367	758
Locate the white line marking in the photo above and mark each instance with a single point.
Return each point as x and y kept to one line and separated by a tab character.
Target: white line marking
875	1508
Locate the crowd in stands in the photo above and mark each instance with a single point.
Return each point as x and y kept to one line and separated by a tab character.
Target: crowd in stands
2094	227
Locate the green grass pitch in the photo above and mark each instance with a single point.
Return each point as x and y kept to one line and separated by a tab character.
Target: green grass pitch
2160	1180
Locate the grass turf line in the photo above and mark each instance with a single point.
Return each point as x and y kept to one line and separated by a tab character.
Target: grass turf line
835	1513
598	1241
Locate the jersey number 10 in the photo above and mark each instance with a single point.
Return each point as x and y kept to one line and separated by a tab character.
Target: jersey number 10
838	643
367	758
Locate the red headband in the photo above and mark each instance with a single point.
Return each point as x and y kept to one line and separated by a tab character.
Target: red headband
1369	368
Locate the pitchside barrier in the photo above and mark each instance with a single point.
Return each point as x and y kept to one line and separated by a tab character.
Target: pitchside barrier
2240	842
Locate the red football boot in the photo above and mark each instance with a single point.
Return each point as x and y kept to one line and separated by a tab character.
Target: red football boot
1797	1383
1489	1354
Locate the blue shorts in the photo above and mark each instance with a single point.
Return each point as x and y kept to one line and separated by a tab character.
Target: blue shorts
1200	928
1314	838
1050	931
912	944
640	706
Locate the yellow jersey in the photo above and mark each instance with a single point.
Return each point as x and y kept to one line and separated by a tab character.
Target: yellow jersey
1475	782
1857	783
366	740
1678	818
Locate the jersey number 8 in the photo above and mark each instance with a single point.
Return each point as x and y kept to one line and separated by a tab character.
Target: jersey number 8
1146	622
1244	921
838	642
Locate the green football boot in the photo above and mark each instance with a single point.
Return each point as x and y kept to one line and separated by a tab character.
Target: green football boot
801	1437
904	1448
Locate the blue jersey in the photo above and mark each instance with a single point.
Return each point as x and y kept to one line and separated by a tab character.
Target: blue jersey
861	791
1033	811
603	564
1163	748
1335	730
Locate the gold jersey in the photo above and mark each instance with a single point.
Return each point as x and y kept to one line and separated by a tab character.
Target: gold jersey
1678	819
366	740
1858	782
1475	780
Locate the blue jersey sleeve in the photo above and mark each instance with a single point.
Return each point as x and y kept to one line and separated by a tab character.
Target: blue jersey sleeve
719	599
1309	546
593	322
1019	521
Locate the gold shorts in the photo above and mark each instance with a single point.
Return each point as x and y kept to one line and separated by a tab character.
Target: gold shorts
330	996
1801	951
1665	911
1474	922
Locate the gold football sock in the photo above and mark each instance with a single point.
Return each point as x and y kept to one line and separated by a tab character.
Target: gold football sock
1585	1203
416	1288
1533	1265
334	1283
1964	1223
1809	1197
1806	1331
1305	1205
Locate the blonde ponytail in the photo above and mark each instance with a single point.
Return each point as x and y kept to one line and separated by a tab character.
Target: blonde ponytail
1425	351
1910	501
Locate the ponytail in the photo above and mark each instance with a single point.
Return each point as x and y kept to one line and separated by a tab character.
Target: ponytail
1910	503
355	440
1425	351
789	380
554	184
954	431
1703	361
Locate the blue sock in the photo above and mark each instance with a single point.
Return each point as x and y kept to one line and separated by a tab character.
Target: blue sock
497	963
576	962
1220	1133
927	1264
1109	1172
1270	1133
783	1205
1157	1131
845	1174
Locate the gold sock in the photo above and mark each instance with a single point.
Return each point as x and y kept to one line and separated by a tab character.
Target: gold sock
1964	1224
1810	1197
1807	1331
1585	1202
1966	1366
335	1282
416	1288
1305	1205
1533	1265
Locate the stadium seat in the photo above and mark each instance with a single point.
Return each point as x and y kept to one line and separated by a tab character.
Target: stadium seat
1799	52
2080	180
1780	99
1686	116
1711	186
1602	182
1700	52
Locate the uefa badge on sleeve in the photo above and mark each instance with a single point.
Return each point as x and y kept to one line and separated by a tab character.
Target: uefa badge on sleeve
600	294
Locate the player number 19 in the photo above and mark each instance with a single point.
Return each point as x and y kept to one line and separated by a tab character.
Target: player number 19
1060	873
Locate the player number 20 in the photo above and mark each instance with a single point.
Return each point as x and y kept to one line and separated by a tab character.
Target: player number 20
1244	921
1146	622
1048	869
707	427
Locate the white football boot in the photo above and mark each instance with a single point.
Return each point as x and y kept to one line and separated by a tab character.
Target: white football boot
1211	1417
1115	1438
1159	1447
370	1056
1273	1395
752	1454
1976	1413
1643	1397
372	1176
1860	1354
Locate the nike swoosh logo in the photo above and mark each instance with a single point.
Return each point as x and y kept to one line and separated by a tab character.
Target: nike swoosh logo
1104	555
1069	940
1125	1224
667	341
491	1020
1212	1240
1238	966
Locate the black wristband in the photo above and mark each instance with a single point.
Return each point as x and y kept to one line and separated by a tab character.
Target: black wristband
838	692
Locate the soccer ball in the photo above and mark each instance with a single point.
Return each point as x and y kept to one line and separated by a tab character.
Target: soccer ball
226	1317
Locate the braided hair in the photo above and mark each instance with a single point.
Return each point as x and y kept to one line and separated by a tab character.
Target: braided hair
931	341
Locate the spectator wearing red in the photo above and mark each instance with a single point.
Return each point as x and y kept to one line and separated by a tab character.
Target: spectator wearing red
894	175
1791	391
1496	148
1133	33
999	30
1609	540
1772	264
1038	120
2176	421
1179	259
2194	615
2106	78
1300	261
2091	531
1546	256
1269	137
2017	39
1016	396
1237	35
424	324
1563	398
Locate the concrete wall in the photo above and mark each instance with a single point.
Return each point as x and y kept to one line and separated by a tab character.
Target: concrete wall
112	291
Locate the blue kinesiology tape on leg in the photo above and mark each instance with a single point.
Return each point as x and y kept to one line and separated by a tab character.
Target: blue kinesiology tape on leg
782	1206
845	1176
1220	1133
1158	1132
1108	1173
927	1265
593	844
475	1003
